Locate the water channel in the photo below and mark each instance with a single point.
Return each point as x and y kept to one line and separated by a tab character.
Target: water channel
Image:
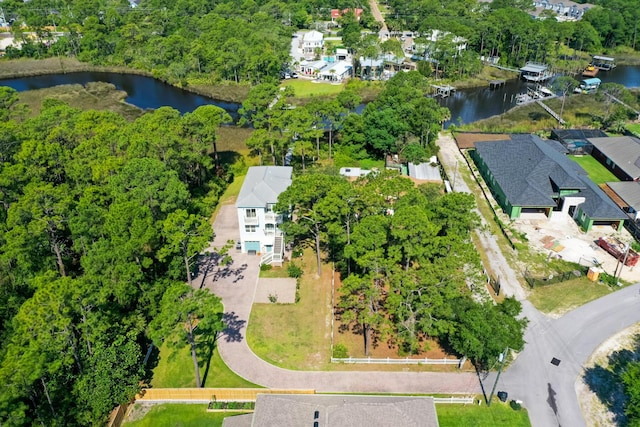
466	105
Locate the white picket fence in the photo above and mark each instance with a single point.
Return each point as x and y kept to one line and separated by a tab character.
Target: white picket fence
391	361
462	400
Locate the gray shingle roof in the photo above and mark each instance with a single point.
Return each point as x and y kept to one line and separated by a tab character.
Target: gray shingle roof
629	191
344	411
262	185
527	168
623	150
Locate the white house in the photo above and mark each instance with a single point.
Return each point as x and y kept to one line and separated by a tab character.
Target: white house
336	71
258	223
310	42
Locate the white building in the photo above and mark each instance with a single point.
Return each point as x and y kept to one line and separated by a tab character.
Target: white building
258	223
310	42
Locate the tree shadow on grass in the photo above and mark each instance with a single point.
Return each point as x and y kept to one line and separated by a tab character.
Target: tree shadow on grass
606	381
205	351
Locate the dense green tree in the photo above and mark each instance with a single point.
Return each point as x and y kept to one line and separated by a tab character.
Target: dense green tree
182	309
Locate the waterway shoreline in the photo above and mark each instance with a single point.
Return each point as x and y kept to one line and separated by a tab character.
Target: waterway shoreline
27	67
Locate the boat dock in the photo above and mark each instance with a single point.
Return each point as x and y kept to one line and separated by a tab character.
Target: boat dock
443	91
495	84
550	111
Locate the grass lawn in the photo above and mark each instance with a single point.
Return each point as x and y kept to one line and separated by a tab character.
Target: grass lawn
497	415
296	336
175	415
304	88
634	127
563	297
175	370
596	171
275	272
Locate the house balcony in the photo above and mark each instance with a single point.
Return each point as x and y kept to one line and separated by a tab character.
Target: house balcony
251	220
272	218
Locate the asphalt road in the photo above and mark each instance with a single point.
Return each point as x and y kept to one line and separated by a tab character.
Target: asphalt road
548	391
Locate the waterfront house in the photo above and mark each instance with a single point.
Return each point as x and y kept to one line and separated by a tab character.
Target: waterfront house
258	222
528	175
310	41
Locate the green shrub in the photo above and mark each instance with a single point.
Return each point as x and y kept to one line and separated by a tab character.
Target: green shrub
265	267
294	270
340	351
273	298
515	405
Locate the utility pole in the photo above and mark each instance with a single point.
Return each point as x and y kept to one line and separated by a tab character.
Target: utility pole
502	358
617	273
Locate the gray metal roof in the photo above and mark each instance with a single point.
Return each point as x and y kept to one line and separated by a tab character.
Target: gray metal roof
624	151
262	185
527	168
534	68
629	191
344	411
424	171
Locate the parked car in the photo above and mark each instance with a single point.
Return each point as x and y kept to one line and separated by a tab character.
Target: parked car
238	245
294	75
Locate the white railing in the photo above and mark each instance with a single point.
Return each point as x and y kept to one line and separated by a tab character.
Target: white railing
463	400
267	258
251	220
390	361
273	218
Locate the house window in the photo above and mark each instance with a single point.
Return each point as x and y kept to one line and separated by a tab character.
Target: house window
250	213
269	228
250	228
269	207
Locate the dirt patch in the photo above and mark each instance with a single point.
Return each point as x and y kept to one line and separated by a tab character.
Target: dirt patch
595	412
276	290
138	411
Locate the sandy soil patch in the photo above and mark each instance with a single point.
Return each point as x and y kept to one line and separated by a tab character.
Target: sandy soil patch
594	410
283	289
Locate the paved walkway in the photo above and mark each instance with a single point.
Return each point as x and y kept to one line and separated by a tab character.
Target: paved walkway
236	286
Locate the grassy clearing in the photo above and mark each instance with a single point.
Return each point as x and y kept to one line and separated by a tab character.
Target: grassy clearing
175	415
296	336
94	96
596	171
562	297
497	415
175	370
304	88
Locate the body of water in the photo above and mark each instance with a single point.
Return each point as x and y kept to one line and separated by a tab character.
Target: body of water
143	92
466	105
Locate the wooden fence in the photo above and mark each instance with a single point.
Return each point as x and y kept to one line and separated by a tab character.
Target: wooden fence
206	395
117	416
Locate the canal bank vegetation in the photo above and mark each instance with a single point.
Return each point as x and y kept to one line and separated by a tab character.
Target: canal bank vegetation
596	110
98	96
